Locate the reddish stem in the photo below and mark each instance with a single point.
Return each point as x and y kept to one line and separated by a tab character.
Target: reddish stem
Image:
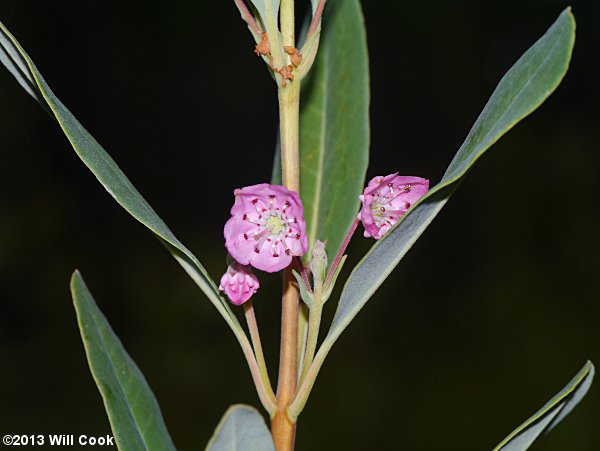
247	16
302	270
340	254
316	18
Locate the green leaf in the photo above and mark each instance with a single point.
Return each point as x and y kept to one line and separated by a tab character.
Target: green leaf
107	172
524	87
545	419
334	121
242	428
17	65
134	415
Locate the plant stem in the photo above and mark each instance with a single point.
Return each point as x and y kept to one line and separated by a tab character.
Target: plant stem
287	20
302	333
316	20
248	18
312	365
303	272
289	111
282	428
258	351
314	323
308	382
340	253
265	393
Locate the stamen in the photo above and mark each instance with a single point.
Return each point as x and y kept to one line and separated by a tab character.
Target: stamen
261	235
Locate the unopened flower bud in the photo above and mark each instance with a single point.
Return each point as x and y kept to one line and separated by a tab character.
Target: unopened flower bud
318	264
239	283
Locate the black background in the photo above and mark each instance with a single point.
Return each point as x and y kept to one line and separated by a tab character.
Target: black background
492	312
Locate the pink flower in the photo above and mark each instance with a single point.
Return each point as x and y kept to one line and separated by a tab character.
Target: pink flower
386	199
266	228
239	283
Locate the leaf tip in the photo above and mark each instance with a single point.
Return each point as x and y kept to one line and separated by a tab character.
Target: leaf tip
75	277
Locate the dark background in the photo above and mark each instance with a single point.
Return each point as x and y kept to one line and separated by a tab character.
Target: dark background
492	312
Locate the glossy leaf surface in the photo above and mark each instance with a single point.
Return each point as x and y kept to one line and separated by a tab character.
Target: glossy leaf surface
134	415
242	428
334	126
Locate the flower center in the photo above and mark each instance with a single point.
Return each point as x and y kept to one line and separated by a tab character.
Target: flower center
273	227
275	224
387	207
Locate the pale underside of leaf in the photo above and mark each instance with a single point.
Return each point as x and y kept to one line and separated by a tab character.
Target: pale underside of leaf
544	420
525	86
242	428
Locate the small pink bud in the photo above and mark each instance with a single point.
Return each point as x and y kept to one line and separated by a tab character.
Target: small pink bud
239	283
266	228
386	199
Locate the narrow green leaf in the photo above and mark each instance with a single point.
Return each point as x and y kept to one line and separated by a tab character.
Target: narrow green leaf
106	170
524	87
545	419
334	135
242	428
17	65
134	415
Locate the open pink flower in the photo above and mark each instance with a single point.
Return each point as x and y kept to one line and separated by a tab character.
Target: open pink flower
266	228
239	283
386	199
